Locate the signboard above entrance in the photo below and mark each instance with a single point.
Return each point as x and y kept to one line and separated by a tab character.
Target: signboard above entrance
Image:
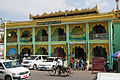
48	22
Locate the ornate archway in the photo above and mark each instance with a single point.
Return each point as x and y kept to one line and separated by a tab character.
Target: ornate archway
26	36
41	35
103	45
26	52
12	36
78	51
77	33
42	51
59	35
99	51
98	32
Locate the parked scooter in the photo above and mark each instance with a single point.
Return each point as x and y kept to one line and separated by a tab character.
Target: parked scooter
107	68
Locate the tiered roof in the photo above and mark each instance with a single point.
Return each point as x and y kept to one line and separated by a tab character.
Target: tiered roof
66	13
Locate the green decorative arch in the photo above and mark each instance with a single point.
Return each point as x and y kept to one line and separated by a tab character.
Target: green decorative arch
77	33
59	35
26	36
42	35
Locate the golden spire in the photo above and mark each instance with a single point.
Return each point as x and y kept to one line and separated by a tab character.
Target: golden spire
117	8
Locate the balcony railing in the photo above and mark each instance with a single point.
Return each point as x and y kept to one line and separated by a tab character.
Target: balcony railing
28	39
43	38
101	36
59	38
10	39
77	37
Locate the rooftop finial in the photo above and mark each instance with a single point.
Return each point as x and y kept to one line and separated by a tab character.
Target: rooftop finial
117	8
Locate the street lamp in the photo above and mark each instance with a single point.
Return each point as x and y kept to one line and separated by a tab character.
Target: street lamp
5	21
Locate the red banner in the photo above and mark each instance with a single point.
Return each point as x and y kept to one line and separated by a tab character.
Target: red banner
98	63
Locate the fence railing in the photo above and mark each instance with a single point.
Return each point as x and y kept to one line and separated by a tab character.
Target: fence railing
10	39
42	38
101	36
77	37
59	38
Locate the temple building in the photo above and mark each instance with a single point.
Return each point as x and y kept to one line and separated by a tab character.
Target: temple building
76	33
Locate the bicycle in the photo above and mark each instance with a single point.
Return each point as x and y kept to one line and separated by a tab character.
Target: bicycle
63	70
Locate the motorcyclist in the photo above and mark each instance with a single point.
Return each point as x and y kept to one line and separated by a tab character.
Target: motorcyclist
59	64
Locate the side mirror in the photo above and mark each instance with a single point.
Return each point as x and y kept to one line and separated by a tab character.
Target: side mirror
1	67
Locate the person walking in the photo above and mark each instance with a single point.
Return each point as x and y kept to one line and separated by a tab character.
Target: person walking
74	63
77	63
71	63
80	62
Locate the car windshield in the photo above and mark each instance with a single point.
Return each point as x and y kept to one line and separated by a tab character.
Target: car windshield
50	60
45	57
11	64
32	57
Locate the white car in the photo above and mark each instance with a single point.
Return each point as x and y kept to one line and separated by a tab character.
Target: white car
47	65
11	70
34	61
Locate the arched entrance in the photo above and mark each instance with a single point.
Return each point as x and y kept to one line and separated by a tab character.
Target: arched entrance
79	52
26	52
100	52
59	52
42	51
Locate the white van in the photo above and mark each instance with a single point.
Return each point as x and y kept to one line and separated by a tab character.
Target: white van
34	61
47	65
11	70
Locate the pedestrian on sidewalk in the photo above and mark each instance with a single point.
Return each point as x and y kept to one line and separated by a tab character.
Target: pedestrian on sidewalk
74	63
71	63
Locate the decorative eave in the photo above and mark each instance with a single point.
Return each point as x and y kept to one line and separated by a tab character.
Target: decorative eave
66	13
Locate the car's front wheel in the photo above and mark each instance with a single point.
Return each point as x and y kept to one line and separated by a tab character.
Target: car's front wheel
8	78
34	66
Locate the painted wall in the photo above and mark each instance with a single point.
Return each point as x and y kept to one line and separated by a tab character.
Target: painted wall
116	37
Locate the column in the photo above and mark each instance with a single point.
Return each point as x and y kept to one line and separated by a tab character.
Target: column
49	40
87	42
67	42
110	43
18	40
33	40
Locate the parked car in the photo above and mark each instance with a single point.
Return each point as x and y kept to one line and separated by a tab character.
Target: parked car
47	65
11	70
34	61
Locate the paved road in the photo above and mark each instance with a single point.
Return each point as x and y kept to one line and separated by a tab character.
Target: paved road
76	75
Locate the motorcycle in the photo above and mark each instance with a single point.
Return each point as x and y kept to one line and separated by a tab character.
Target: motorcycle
60	70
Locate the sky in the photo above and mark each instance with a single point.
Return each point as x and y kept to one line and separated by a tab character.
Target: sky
18	10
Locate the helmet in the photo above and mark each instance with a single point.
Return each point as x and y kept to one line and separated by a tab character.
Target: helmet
107	61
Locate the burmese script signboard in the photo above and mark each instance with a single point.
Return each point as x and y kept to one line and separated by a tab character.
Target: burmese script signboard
49	22
98	64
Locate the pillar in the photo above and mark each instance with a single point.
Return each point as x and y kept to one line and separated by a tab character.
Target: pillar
67	42
18	40
110	43
87	42
33	40
49	40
